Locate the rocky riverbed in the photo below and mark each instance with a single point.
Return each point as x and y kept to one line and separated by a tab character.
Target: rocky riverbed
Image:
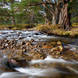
32	54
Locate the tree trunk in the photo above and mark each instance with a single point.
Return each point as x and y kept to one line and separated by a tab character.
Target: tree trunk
46	21
59	13
13	20
64	19
54	20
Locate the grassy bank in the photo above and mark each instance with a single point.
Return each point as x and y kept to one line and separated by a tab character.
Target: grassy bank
17	26
57	30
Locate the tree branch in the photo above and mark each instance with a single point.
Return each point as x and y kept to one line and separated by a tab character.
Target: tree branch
41	3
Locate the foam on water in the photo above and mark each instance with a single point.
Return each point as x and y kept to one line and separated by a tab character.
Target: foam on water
26	35
30	73
35	72
38	72
11	75
73	47
49	59
72	69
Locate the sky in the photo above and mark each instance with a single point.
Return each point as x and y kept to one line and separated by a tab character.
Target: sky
7	6
18	0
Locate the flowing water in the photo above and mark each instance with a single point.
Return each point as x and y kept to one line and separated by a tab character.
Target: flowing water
51	67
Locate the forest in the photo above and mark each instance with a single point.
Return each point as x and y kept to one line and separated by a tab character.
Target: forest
38	12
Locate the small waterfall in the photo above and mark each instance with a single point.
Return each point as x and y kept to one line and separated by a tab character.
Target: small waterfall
49	59
38	71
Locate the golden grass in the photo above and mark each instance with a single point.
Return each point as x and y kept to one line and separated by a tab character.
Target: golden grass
75	24
46	28
17	26
55	29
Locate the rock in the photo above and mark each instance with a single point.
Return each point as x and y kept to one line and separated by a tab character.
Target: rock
53	43
54	49
32	40
60	48
14	63
22	62
57	53
9	63
28	43
23	42
37	55
59	43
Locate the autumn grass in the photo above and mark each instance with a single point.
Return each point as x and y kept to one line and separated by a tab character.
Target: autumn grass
75	25
17	26
57	30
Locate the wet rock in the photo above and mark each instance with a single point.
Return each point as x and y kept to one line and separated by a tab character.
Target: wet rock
58	47
59	42
37	33
9	63
32	40
28	43
37	55
54	49
14	63
53	43
23	43
63	69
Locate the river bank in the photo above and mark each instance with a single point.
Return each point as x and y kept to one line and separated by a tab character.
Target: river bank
59	31
48	29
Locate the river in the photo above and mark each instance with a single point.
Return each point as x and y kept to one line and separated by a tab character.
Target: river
50	67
